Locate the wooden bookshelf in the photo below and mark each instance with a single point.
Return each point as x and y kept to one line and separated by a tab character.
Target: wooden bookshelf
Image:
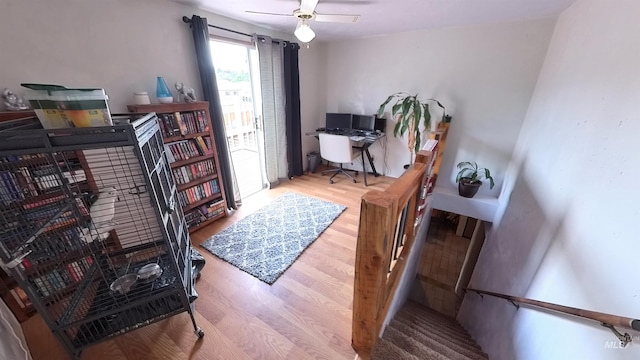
183	126
8	285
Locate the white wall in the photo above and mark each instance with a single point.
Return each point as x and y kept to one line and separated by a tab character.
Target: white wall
568	235
313	93
484	75
122	46
115	44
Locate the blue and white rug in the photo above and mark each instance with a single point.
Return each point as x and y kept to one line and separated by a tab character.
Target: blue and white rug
267	242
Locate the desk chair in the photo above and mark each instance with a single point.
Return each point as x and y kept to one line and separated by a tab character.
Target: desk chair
337	149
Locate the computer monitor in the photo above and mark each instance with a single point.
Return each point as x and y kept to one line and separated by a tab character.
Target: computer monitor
363	122
338	121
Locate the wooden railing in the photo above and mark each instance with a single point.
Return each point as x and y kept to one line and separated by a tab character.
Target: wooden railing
607	320
386	234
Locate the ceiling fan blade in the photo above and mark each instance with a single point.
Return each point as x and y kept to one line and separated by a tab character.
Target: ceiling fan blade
308	6
337	18
265	13
350	3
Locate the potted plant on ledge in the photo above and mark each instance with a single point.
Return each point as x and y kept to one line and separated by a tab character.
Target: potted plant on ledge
468	178
412	116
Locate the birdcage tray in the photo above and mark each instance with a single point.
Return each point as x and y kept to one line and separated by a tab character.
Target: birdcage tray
125	320
97	299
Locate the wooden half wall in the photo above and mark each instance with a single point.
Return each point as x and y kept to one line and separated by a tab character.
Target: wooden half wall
386	234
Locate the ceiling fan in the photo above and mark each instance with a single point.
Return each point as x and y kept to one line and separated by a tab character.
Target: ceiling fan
306	13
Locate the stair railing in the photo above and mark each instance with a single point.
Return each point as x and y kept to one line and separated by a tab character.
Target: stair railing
607	320
386	233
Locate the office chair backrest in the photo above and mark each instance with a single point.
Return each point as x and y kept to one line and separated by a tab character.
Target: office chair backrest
335	148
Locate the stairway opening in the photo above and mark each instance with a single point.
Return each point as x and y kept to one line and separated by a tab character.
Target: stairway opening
448	244
417	332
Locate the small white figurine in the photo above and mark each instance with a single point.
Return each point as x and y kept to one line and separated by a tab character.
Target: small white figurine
12	102
186	93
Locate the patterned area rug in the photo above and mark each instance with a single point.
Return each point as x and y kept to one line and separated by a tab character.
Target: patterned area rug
267	242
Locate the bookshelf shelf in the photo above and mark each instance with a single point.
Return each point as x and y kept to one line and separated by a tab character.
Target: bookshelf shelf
190	147
206	222
185	136
192	160
214	197
38	161
182	187
69	257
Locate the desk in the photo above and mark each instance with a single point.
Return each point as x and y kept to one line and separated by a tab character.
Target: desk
364	143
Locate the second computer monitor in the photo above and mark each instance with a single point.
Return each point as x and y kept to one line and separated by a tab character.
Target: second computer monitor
363	122
337	121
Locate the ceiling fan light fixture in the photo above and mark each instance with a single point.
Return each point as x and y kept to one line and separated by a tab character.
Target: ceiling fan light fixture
304	32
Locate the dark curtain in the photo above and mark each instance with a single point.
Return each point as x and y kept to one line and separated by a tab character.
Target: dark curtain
292	109
200	31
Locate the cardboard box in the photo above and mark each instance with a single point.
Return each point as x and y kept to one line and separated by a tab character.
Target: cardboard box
59	107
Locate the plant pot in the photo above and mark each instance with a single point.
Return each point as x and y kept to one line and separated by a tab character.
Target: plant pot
468	189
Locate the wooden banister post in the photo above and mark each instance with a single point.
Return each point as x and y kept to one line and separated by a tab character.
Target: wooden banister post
372	264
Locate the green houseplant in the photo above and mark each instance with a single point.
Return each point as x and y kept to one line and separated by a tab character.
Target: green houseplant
468	178
412	116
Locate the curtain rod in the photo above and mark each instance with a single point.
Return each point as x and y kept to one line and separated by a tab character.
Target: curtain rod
188	20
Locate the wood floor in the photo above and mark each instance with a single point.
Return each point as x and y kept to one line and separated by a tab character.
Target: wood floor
305	314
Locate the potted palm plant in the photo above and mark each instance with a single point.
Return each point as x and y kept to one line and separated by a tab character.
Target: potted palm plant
468	178
412	116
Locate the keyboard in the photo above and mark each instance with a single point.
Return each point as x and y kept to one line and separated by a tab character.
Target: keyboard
357	138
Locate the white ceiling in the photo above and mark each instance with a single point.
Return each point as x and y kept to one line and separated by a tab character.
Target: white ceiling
384	16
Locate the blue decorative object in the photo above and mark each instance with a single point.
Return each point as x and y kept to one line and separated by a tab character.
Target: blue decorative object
162	91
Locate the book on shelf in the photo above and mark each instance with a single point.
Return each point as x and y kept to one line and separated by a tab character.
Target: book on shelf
45	214
48	200
169	153
22	182
182	126
202	120
204	212
53	246
168	126
21	297
16	158
203	146
26	182
187	149
9	188
198	192
183	123
60	278
188	173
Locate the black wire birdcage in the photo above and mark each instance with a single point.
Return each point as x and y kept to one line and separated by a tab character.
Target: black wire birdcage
91	228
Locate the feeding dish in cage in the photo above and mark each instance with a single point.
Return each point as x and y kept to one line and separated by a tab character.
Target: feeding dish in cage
149	272
123	284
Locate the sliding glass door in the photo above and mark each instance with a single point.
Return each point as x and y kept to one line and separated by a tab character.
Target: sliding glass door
238	78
